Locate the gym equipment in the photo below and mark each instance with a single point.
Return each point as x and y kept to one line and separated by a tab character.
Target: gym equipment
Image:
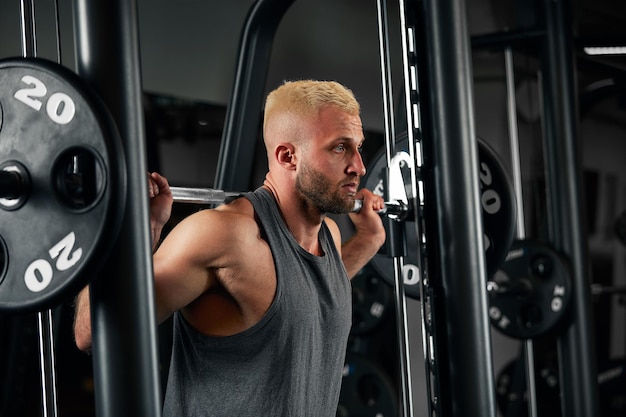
512	394
513	397
207	196
210	196
62	194
530	293
371	299
365	390
498	213
396	191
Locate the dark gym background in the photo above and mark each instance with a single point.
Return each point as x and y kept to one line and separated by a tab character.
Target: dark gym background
188	55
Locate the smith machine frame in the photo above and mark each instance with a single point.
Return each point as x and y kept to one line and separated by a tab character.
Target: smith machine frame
124	345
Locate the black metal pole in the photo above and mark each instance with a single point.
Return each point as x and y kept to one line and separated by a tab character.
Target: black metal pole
243	116
44	317
566	211
122	301
462	335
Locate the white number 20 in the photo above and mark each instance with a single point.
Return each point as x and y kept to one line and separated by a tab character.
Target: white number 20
60	107
39	273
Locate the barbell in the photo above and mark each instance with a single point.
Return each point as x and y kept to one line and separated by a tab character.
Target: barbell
210	196
14	189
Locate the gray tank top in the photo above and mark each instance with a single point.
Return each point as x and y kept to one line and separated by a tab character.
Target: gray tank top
290	363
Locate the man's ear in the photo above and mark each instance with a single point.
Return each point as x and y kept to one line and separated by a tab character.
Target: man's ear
285	156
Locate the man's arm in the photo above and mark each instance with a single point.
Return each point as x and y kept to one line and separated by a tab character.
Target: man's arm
369	236
82	320
160	210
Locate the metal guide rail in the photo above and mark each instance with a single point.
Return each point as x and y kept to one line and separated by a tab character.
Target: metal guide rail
412	109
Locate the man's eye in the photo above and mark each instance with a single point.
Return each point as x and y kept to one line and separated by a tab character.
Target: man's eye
340	148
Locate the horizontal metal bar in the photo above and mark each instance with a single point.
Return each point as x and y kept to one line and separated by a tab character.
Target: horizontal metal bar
210	196
206	196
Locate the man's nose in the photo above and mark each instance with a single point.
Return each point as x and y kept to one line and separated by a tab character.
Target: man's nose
357	166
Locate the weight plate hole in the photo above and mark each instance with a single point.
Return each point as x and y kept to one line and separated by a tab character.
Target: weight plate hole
541	266
4	259
530	316
79	178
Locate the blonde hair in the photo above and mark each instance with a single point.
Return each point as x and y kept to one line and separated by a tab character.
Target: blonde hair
289	105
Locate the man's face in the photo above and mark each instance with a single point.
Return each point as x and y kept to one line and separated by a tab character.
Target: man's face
329	173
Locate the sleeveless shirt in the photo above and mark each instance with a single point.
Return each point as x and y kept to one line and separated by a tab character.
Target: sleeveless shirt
290	363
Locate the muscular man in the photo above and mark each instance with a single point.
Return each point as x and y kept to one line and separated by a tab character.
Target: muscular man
259	288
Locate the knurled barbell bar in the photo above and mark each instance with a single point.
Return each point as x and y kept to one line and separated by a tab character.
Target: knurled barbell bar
210	196
62	187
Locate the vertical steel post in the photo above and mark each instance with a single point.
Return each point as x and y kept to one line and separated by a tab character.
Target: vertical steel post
511	107
567	228
243	115
461	305
27	23
122	301
44	318
398	254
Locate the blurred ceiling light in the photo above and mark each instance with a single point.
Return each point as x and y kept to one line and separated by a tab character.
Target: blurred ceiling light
605	50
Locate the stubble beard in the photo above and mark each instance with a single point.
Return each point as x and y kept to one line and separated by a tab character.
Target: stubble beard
324	195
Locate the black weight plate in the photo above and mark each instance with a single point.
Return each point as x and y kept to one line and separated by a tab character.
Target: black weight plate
366	391
371	300
512	393
59	131
535	291
499	208
498	214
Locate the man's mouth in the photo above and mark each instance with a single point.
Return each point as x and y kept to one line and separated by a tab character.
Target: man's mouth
351	188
